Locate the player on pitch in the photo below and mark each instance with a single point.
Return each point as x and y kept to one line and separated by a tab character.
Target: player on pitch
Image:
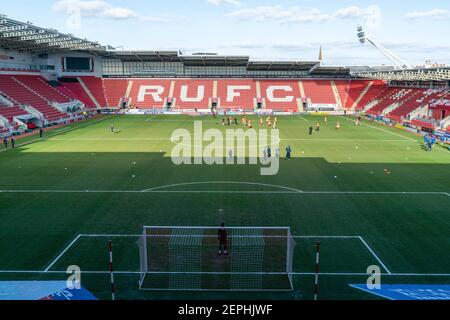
222	236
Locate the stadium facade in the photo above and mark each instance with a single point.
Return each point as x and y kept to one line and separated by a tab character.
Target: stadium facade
47	77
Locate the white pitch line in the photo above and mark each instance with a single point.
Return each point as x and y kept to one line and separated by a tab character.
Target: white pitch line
302	118
149	119
93	235
293	191
386	131
346	140
344	274
325	237
62	253
224	182
111	139
374	254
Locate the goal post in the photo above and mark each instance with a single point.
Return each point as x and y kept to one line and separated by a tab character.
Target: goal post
187	258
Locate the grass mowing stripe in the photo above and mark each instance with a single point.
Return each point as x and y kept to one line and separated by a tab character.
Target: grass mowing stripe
424	193
59	132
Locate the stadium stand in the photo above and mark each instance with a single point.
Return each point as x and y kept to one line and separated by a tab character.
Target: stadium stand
419	98
193	93
39	85
386	100
280	95
374	96
342	87
243	97
319	91
150	93
355	91
20	93
115	90
71	86
10	112
95	87
377	89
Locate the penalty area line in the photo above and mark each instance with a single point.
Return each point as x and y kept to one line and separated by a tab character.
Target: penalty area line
344	274
302	118
374	254
151	118
62	253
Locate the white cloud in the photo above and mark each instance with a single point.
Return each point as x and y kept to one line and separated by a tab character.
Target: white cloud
102	9
371	15
221	2
441	14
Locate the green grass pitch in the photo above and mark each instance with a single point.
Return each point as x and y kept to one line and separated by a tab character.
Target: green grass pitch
372	184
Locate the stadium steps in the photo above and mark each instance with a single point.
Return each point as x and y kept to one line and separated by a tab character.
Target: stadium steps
72	87
41	87
386	100
96	88
319	91
337	97
10	112
21	94
377	89
445	123
115	91
361	96
342	87
49	112
88	92
356	90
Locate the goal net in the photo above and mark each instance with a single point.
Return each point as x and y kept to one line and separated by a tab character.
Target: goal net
187	258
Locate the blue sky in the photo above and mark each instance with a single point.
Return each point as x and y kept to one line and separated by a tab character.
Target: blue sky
264	29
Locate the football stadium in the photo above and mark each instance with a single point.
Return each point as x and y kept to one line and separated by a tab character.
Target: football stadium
161	175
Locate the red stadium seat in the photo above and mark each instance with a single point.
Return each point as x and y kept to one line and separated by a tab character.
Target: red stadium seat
20	93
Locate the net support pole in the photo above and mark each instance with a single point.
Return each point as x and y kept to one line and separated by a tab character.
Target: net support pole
111	271
316	278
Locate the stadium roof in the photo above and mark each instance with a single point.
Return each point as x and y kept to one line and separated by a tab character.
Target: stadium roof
426	74
335	71
211	60
281	65
24	36
215	60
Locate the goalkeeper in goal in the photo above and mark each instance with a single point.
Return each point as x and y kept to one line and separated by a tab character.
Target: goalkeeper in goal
222	237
